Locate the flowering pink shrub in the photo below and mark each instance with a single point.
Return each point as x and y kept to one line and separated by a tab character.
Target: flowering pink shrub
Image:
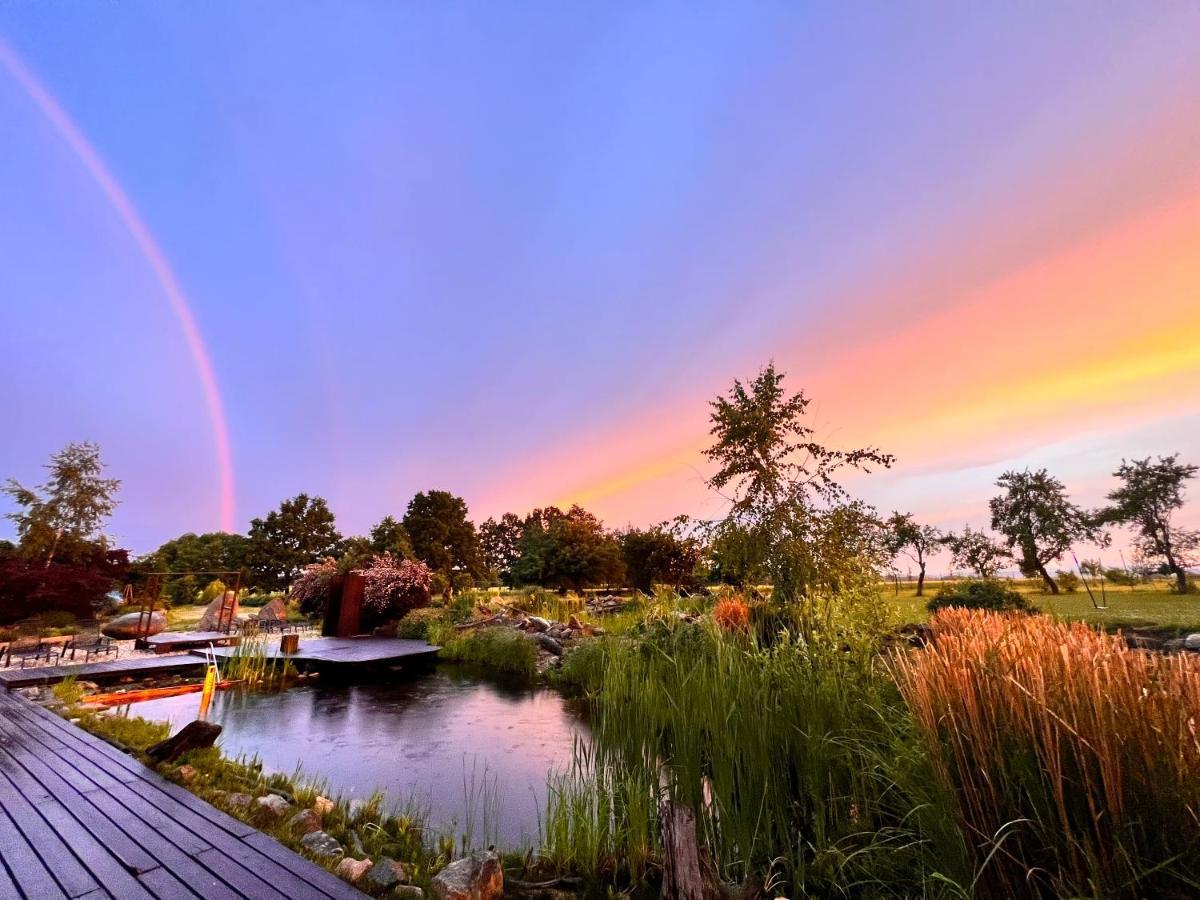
316	584
395	587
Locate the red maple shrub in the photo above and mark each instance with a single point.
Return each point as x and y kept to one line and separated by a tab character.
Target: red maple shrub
30	587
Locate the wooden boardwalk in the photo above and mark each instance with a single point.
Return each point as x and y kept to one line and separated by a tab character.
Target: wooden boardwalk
78	818
99	671
345	652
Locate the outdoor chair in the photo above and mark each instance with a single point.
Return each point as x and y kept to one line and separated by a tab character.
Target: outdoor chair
30	649
92	643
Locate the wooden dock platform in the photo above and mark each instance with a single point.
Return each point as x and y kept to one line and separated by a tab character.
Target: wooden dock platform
78	818
345	653
168	641
101	671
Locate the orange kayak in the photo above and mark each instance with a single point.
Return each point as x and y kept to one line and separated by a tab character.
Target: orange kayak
121	698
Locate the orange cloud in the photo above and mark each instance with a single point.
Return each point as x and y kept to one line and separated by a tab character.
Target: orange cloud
1108	331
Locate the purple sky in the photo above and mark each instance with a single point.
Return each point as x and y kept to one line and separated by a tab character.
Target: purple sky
510	251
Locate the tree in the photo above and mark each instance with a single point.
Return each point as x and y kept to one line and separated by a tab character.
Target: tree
65	516
390	537
499	545
29	587
789	517
1149	494
567	551
216	551
301	532
976	551
444	538
1038	522
664	554
918	542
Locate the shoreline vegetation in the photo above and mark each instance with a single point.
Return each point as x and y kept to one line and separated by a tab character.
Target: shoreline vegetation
815	761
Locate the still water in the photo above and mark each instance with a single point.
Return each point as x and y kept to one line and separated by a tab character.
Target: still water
473	754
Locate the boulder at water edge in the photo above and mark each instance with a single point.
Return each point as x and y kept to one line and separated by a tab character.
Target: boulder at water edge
275	610
125	628
211	620
475	877
321	844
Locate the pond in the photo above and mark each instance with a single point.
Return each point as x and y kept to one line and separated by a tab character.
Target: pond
472	754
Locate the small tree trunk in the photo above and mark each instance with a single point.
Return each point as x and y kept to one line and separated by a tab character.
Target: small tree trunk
682	877
1050	582
921	581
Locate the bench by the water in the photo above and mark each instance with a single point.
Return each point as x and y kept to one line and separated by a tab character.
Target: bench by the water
78	818
343	653
100	671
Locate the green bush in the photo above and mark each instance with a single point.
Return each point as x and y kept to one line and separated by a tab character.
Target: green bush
1068	581
415	625
979	593
1121	577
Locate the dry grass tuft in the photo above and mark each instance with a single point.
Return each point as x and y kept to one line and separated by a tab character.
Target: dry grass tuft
1074	761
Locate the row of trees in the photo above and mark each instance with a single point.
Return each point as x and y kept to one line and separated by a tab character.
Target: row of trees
1037	524
790	524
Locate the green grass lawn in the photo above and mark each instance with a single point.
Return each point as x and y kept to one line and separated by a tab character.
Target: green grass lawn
1145	606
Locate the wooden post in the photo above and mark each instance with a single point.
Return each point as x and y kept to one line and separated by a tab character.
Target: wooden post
682	877
289	643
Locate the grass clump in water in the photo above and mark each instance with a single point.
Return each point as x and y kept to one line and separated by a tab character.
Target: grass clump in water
502	650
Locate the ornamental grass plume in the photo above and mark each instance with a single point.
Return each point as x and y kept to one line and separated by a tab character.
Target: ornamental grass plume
1073	761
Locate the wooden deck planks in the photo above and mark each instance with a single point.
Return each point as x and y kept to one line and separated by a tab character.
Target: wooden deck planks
109	668
80	819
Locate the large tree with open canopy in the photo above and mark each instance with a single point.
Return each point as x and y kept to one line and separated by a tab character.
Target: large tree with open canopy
790	519
1150	493
1039	523
301	532
64	517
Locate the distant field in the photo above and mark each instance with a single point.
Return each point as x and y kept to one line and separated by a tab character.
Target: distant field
1145	606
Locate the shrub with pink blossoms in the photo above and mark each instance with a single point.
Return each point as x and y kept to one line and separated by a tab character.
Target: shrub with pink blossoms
316	585
395	587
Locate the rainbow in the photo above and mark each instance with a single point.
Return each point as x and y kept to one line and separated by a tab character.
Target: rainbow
157	261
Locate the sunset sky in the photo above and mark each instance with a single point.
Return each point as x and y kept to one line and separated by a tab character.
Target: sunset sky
512	250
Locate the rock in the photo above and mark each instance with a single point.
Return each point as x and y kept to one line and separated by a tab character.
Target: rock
187	773
356	808
212	620
1172	644
352	869
537	623
320	844
125	628
272	807
1192	642
474	877
275	610
558	632
238	801
322	806
574	624
549	644
356	843
386	873
408	892
304	822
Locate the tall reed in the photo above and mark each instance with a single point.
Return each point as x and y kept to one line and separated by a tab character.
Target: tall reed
1074	761
786	754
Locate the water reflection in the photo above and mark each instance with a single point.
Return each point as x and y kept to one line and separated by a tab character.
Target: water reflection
432	738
